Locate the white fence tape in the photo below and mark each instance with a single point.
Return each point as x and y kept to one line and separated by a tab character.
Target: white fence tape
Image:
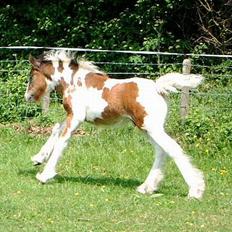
115	51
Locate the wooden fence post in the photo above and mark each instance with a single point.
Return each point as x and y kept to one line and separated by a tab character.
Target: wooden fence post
184	99
45	103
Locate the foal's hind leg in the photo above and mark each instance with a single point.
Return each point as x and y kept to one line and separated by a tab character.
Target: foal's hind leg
192	176
155	175
47	148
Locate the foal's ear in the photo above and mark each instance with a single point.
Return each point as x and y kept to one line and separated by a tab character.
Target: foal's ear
35	62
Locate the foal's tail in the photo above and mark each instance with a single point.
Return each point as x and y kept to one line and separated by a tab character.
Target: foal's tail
170	82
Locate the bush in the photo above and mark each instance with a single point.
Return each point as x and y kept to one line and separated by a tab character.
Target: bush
13	106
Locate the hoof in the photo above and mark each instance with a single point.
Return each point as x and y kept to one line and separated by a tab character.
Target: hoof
37	160
196	193
43	178
36	163
145	189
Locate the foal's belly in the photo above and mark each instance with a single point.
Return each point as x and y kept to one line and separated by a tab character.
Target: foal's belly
99	118
106	119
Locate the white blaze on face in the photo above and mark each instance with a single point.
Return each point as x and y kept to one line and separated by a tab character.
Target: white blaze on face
27	94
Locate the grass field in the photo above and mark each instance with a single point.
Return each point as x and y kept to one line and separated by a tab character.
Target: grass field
95	188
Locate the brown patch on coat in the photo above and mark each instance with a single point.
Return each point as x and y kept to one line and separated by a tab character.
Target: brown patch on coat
67	103
38	85
47	69
74	67
61	87
95	80
79	83
60	66
121	101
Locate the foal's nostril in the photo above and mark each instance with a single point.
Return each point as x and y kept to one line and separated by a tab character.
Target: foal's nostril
29	97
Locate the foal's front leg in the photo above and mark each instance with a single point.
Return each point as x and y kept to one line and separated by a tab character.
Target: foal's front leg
50	168
47	148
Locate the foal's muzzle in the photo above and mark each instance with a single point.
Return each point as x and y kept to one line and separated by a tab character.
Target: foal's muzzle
29	97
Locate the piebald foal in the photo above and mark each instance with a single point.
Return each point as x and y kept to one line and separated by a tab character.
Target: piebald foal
90	95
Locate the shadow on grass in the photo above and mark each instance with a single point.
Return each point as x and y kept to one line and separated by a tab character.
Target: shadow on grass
128	183
29	172
166	189
99	181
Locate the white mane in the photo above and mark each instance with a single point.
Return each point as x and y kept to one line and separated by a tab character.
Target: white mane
67	56
88	65
62	55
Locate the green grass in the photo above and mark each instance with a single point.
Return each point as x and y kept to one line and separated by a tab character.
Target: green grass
95	188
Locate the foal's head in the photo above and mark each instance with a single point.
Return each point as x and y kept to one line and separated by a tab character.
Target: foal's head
40	81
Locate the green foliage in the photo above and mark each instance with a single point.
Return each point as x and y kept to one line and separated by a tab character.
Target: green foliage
136	25
13	106
94	24
56	114
222	74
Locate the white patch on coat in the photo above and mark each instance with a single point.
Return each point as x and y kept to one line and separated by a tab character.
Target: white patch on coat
95	104
80	76
56	75
67	72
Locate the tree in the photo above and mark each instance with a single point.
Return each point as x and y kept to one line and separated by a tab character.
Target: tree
215	24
